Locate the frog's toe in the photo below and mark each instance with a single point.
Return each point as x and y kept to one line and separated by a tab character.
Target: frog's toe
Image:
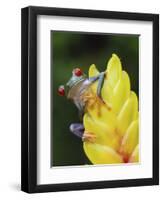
89	137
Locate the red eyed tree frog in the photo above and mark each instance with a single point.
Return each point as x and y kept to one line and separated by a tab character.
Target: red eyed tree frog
77	89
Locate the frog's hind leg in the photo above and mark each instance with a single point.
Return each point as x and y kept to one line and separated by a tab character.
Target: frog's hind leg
77	129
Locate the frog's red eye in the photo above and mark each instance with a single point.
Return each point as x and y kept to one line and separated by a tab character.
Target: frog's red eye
77	72
61	90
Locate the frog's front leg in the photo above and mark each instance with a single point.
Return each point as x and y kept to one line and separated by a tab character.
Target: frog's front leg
78	130
100	77
100	84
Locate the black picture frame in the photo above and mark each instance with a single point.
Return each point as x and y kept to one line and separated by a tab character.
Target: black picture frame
29	98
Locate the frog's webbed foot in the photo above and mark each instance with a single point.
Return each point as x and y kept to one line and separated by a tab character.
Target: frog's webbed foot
88	137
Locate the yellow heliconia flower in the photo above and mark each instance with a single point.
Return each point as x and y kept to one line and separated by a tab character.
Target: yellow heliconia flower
114	122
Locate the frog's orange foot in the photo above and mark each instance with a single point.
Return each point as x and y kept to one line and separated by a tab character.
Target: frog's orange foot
88	137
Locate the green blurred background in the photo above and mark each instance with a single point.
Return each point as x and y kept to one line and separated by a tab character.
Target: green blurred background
70	50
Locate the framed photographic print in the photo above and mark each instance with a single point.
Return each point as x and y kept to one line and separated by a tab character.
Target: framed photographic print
90	99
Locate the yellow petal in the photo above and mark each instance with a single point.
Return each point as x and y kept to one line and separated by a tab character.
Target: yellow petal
93	71
107	92
135	155
120	93
100	154
101	131
116	129
130	139
114	68
128	113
